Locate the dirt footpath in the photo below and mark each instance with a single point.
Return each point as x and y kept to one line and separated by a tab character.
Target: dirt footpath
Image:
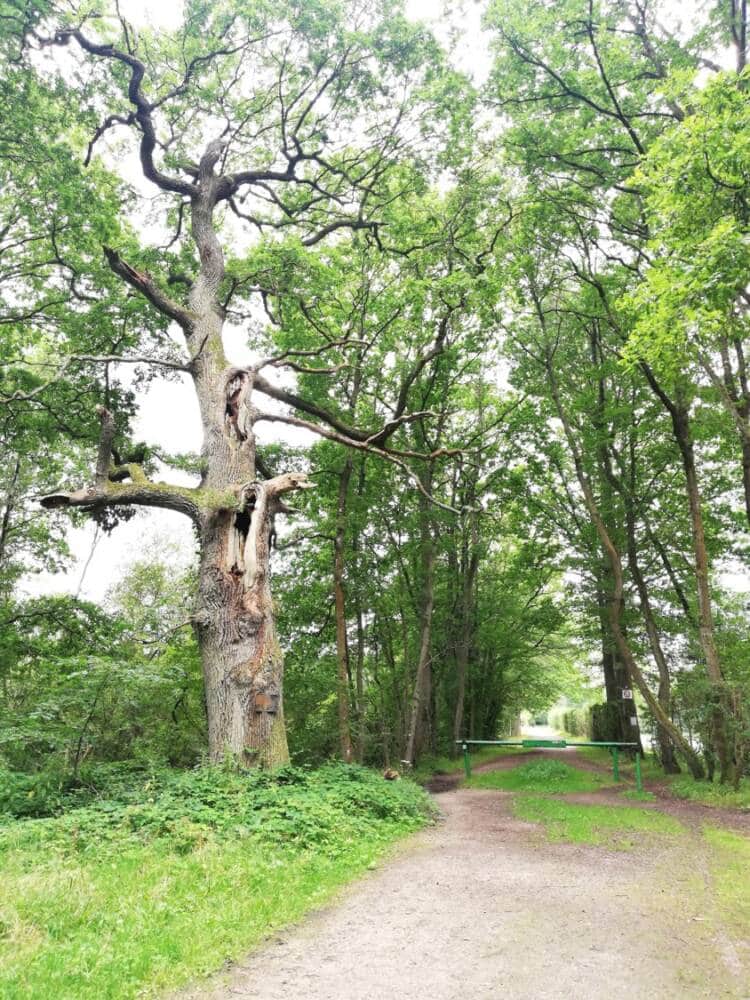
481	906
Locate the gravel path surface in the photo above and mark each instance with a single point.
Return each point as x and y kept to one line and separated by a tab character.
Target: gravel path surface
481	906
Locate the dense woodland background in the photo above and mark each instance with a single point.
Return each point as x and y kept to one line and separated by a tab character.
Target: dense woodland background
539	287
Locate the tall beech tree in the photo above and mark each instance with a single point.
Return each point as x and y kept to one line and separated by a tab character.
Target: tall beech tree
615	81
310	110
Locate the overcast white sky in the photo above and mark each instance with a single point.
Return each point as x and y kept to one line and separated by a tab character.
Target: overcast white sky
168	414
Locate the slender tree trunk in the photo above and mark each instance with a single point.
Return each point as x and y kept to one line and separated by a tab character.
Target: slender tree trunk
621	695
746	476
470	566
420	692
705	616
682	434
359	749
666	747
616	603
608	653
342	644
10	499
359	673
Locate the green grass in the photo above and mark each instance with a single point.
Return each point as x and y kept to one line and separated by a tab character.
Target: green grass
730	863
632	793
681	785
430	766
651	769
711	793
552	776
128	897
616	827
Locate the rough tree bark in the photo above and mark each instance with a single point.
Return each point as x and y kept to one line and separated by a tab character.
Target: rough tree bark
617	680
234	620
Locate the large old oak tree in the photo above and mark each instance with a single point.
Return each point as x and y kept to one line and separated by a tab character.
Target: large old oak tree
253	122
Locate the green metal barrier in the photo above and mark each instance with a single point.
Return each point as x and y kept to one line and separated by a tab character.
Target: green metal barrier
613	747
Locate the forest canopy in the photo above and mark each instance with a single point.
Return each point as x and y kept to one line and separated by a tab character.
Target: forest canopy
486	442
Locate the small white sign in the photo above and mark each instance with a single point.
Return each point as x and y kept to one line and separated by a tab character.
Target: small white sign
627	693
633	720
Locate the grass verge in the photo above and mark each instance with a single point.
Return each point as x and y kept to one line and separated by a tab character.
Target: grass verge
129	897
711	793
552	776
730	863
651	769
617	827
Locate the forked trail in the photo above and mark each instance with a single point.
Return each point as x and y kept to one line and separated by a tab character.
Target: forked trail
481	906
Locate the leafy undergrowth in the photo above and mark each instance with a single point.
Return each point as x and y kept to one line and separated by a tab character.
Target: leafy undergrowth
730	864
552	776
711	793
617	827
167	878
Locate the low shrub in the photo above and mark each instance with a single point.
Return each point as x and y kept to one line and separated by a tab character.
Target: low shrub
291	806
152	877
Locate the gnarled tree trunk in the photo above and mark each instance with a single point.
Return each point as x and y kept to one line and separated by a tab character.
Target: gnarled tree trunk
233	512
233	507
242	660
